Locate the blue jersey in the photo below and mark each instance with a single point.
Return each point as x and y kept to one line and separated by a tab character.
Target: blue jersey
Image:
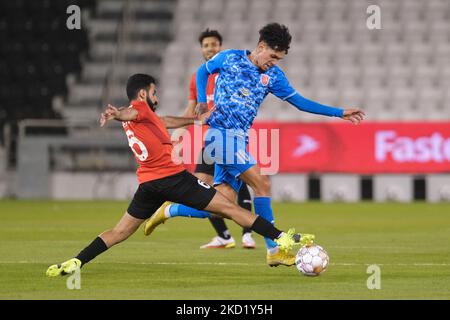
241	88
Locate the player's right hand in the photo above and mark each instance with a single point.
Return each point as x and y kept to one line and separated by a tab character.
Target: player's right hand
205	116
354	115
109	114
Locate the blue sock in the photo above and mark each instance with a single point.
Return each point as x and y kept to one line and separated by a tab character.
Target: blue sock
179	210
263	209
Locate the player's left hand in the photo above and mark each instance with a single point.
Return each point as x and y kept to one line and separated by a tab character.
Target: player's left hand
204	116
354	115
200	108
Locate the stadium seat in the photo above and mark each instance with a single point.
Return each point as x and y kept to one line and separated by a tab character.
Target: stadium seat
351	97
212	9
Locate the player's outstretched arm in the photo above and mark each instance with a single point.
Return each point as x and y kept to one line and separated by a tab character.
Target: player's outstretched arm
171	122
121	114
353	115
283	90
177	122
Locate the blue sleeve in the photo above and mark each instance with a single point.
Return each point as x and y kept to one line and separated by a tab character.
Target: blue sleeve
283	90
210	67
281	87
202	80
310	106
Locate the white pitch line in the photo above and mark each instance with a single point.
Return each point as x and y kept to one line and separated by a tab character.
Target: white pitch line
144	263
418	264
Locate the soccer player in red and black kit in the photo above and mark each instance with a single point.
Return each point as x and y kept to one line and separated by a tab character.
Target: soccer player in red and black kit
161	180
211	44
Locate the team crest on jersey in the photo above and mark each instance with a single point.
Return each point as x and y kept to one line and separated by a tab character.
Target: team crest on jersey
265	79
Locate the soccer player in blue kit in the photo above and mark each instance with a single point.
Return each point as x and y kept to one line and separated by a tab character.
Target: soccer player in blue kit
245	79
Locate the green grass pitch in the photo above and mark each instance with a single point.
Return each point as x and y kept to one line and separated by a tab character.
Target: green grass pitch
409	242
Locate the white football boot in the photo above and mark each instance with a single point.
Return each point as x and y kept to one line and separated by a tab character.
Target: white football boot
247	241
219	243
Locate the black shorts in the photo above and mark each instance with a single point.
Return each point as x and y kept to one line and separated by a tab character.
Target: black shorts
183	188
203	165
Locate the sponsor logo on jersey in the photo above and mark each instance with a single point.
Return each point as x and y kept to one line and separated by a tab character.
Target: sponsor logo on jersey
245	92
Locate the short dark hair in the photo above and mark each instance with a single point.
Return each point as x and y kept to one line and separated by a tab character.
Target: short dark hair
276	36
137	82
210	33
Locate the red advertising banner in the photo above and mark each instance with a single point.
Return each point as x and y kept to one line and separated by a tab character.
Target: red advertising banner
368	148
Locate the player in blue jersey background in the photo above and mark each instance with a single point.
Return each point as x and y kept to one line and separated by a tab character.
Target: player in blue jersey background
245	79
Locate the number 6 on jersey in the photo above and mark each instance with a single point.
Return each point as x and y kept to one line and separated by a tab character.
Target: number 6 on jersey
132	141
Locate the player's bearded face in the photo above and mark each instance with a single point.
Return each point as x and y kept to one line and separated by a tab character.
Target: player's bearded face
151	98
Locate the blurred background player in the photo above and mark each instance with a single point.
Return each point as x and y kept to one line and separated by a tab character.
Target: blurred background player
160	179
245	79
211	44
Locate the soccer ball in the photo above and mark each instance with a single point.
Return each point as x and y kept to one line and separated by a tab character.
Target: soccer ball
312	260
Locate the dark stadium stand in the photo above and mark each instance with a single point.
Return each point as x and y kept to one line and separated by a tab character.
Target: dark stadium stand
36	55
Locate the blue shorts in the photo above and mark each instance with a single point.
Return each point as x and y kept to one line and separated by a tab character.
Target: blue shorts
228	149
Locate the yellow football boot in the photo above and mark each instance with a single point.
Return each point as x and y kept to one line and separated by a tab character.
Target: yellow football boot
281	258
290	238
156	219
64	268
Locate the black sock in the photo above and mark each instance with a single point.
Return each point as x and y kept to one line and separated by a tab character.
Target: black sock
265	228
220	227
96	247
245	201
